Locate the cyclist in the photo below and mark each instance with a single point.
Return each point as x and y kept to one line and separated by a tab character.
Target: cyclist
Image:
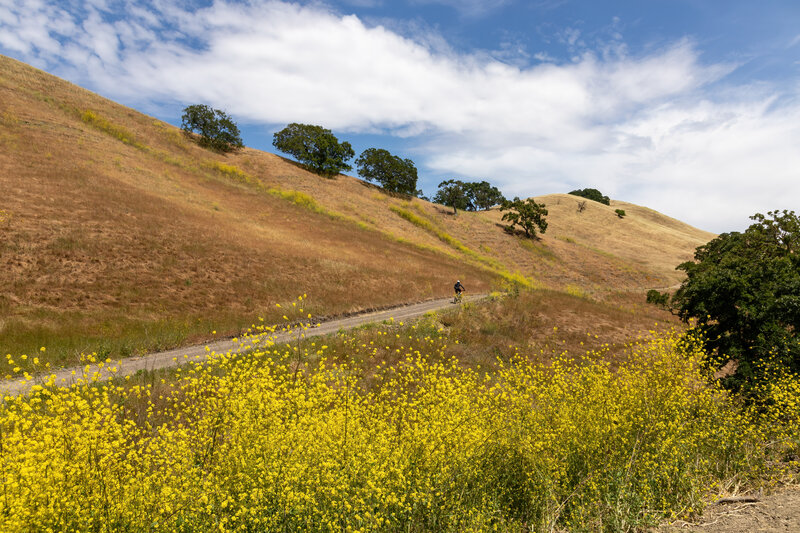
459	288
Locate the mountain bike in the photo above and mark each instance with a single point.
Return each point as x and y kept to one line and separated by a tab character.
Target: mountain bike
458	297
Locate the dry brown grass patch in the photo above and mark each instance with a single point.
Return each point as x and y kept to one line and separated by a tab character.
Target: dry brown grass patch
547	323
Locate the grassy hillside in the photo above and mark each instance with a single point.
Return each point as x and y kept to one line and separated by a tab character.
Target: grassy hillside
120	235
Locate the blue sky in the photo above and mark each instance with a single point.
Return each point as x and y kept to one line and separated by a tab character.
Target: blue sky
686	106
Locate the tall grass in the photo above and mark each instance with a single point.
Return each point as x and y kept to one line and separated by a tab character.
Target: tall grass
69	334
289	439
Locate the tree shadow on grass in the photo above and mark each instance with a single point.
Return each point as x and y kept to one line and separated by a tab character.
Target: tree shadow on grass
391	194
307	168
516	232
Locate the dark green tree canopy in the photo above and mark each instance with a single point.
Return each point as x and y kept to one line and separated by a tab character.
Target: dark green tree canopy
482	195
215	128
452	193
392	172
468	196
592	194
315	147
526	214
743	289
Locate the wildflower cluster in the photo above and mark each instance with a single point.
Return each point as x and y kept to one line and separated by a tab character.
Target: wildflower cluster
93	119
298	438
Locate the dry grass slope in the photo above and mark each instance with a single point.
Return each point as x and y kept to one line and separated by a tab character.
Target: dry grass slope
120	228
120	235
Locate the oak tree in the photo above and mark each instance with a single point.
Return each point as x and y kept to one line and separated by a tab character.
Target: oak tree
483	195
452	193
526	214
215	129
392	172
592	194
316	147
743	291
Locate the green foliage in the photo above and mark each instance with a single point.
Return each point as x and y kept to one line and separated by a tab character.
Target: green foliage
526	214
469	196
620	213
315	147
452	193
660	299
592	194
392	172
482	195
215	128
744	291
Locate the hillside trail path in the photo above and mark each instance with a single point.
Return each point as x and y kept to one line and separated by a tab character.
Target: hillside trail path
201	352
773	513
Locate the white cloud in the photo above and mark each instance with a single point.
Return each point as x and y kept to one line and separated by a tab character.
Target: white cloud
470	8
364	3
656	129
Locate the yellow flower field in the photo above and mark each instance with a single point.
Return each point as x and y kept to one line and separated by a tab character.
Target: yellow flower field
287	439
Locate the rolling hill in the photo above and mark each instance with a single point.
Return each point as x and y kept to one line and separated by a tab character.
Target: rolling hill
120	235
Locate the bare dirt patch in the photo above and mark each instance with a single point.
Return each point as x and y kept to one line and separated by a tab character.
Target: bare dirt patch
775	512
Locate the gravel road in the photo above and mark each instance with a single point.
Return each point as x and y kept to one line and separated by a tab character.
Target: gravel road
198	353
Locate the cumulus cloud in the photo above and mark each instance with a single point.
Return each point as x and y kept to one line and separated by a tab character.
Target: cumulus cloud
660	129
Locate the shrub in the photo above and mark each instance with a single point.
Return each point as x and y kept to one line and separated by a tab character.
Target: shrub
620	213
660	299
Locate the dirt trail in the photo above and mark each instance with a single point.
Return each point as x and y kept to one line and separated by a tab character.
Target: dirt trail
199	353
776	512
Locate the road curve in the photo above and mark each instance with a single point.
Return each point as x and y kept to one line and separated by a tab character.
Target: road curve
198	353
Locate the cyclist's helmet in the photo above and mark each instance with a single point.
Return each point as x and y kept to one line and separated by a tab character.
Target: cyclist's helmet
458	281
